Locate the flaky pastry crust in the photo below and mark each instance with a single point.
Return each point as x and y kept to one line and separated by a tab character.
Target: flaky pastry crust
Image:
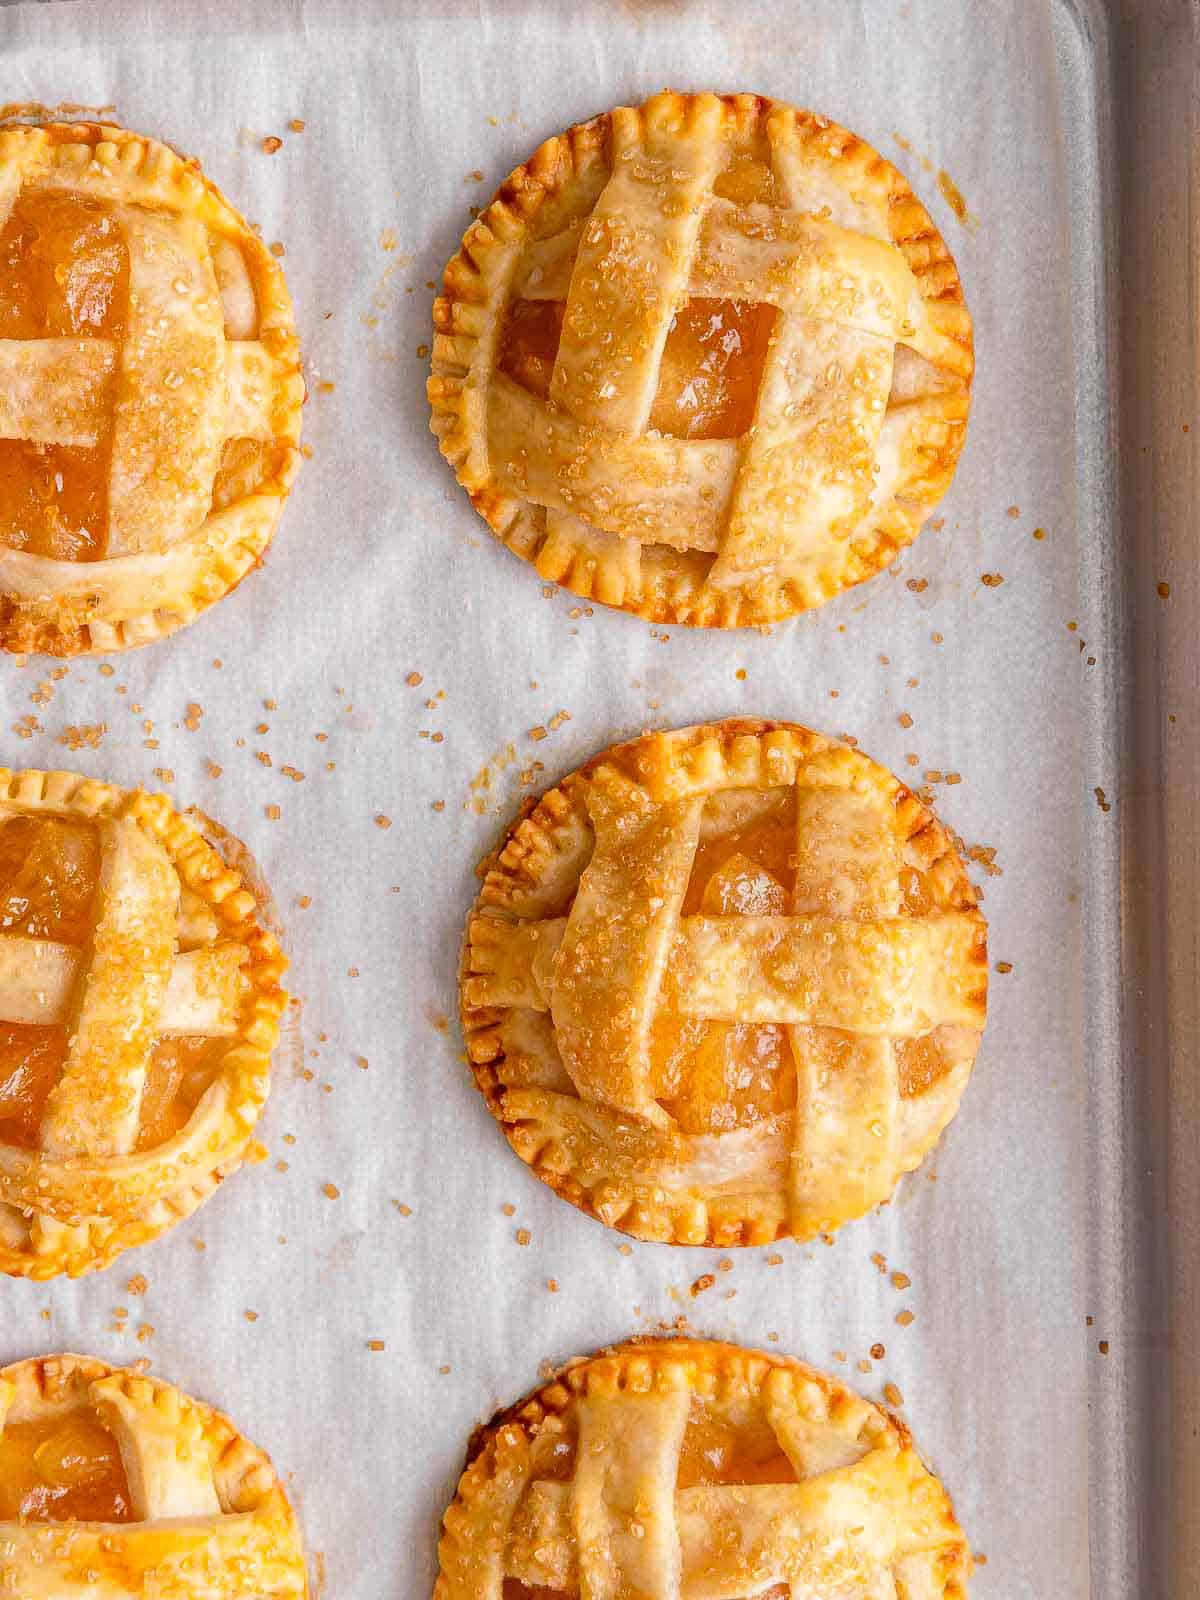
197	405
589	962
179	948
862	399
695	1469
210	1520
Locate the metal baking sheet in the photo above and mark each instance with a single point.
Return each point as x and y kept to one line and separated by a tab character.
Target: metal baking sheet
1129	75
1067	1188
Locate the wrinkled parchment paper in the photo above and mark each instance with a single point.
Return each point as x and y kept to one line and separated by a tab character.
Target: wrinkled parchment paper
413	113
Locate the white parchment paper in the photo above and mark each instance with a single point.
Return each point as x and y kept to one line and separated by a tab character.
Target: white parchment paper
381	569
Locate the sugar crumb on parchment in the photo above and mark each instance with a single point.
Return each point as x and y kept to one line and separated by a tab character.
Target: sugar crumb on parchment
85	736
984	855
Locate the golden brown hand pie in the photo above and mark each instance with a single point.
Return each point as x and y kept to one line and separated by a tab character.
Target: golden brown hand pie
706	359
140	1001
119	1487
725	984
150	390
698	1471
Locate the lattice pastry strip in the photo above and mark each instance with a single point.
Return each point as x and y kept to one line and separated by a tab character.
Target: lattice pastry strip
204	361
601	1012
697	514
206	1517
176	952
699	1471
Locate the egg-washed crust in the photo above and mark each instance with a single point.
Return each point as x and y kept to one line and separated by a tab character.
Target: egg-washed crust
65	608
705	1368
44	1387
41	1388
543	855
108	1204
669	585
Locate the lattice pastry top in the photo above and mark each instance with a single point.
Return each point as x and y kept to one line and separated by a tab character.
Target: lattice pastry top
696	1471
140	1002
116	1486
707	360
150	390
725	984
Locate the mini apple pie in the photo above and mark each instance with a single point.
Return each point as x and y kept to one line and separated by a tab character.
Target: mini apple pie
725	984
117	1486
150	390
698	1471
140	1002
706	359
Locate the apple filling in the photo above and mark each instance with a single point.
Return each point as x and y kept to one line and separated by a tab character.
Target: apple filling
711	1076
711	367
64	1469
64	273
718	1451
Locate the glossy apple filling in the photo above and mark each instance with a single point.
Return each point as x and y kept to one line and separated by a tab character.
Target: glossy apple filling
711	366
64	273
64	1469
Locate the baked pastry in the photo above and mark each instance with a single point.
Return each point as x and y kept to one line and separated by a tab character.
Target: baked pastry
150	390
706	359
698	1471
139	1004
725	984
120	1487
